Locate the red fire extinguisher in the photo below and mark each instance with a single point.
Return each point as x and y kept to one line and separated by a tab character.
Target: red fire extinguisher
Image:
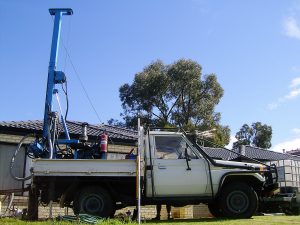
103	145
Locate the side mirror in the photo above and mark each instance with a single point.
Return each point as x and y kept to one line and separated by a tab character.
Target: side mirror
186	155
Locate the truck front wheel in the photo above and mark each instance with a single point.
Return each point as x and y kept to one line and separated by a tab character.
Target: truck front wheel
238	200
94	201
214	209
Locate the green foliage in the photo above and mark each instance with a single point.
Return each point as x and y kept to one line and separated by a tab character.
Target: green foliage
221	135
257	135
114	122
175	95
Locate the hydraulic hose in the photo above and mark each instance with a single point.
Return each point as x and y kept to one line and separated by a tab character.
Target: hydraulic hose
12	162
50	144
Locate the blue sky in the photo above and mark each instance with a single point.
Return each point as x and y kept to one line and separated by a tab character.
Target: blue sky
252	46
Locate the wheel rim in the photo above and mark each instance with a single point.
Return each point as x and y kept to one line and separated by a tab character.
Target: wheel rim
93	204
237	202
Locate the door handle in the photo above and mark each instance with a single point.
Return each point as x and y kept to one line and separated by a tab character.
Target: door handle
162	167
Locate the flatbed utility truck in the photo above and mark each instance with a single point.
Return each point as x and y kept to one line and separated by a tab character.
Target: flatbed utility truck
175	170
171	168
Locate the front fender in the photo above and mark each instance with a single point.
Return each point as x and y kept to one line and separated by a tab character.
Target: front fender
255	180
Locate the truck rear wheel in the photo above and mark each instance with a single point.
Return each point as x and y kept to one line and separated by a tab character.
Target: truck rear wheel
94	201
238	200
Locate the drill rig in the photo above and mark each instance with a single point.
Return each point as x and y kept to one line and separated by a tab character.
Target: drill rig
53	145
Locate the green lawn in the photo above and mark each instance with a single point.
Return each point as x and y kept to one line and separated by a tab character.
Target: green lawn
257	220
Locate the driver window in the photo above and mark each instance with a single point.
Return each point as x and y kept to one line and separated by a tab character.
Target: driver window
172	147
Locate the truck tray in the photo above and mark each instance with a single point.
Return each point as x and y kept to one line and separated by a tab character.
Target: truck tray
83	167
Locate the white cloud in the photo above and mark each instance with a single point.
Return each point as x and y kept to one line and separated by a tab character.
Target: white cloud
232	140
287	145
296	131
295	82
294	92
291	28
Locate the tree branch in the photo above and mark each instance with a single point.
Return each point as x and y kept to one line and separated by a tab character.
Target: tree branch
156	115
173	105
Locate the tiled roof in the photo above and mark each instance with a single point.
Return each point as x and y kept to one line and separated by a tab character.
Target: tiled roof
219	153
264	154
122	134
250	152
294	152
74	128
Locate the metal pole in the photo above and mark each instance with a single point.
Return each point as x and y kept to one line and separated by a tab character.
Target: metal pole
58	13
138	174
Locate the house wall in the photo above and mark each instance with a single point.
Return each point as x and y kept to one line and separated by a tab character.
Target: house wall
6	180
15	139
8	138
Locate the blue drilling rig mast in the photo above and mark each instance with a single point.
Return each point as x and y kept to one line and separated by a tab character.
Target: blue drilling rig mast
54	77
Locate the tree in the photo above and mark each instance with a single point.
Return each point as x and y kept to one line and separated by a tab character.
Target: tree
257	135
175	95
117	123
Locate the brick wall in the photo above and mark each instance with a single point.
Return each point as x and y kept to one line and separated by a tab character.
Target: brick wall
147	212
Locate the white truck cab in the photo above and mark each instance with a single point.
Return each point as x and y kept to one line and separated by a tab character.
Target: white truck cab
178	170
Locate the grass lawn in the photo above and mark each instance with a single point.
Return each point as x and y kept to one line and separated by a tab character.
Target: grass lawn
257	220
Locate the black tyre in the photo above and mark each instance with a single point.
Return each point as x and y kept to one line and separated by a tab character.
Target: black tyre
94	201
112	215
294	211
238	200
214	209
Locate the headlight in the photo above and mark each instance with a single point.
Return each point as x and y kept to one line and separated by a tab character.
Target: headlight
262	168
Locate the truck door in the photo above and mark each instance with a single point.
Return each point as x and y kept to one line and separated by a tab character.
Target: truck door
173	174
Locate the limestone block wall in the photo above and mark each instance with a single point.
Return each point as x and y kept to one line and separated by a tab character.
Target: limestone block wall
200	211
147	212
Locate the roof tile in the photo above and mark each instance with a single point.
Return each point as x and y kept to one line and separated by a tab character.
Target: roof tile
74	128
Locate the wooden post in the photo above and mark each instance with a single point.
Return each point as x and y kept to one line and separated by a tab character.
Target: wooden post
33	205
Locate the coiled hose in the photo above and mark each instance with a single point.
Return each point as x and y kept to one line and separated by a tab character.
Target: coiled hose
12	162
84	218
